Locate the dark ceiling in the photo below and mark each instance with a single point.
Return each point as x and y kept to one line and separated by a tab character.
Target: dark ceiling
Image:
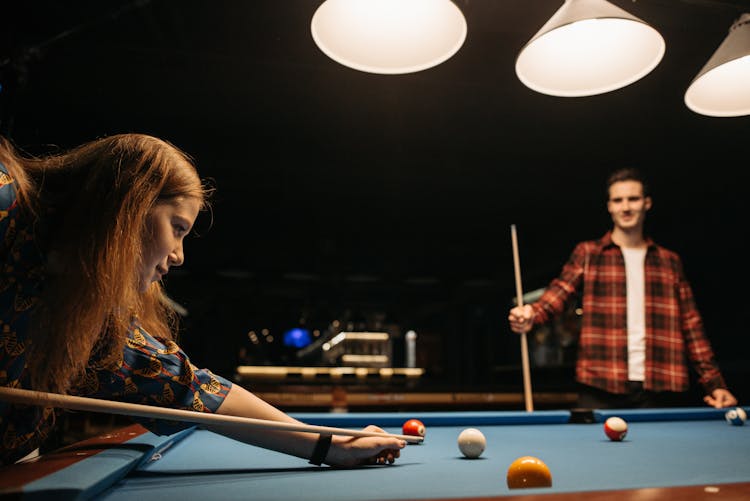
331	176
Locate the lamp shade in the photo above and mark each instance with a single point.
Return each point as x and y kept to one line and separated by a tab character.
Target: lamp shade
722	88
389	36
589	47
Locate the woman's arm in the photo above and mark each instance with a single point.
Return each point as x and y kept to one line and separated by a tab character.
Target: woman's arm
344	451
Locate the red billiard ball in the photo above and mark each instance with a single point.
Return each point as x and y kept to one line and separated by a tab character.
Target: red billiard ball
615	428
414	427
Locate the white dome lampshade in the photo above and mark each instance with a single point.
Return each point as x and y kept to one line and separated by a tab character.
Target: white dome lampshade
722	88
389	36
589	47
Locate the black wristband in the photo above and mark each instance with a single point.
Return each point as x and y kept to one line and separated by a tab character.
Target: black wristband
321	450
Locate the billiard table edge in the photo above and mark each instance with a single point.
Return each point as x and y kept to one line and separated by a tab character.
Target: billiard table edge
73	473
739	491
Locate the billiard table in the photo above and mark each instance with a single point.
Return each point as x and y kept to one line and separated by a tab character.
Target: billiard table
675	454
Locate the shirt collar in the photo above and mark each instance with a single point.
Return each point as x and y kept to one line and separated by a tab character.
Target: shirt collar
606	241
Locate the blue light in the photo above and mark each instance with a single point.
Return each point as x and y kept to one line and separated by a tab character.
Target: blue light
297	338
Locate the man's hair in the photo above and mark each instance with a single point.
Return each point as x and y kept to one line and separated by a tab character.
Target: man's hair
628	174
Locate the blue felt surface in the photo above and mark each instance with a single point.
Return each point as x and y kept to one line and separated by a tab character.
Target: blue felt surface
654	454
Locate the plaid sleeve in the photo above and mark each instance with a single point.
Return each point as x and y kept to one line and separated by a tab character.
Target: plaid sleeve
563	288
698	347
157	372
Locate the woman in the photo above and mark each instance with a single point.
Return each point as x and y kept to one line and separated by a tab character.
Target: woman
87	235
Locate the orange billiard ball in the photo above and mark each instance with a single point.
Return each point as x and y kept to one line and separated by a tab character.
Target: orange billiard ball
527	472
414	427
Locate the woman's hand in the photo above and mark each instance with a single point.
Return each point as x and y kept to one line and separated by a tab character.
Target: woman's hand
347	452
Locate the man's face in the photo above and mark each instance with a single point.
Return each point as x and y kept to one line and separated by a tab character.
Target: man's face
627	205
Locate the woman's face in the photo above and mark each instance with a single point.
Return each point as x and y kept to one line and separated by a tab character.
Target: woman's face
166	227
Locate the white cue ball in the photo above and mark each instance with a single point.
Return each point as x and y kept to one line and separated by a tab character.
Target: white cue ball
471	443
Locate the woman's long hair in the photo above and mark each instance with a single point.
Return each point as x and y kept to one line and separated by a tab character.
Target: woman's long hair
89	207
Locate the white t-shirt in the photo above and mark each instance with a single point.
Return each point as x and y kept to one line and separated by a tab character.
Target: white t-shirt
635	285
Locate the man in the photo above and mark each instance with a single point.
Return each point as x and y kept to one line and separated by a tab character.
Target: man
640	323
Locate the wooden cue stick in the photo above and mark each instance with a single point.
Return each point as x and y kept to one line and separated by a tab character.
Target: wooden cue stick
524	342
38	398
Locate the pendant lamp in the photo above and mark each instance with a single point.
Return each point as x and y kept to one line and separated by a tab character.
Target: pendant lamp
589	47
389	36
722	88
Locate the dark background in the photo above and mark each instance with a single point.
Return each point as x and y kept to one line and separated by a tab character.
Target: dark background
386	201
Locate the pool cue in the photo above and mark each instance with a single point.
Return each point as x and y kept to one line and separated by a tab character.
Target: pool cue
71	402
524	342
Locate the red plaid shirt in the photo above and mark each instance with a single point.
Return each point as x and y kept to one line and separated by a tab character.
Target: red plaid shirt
674	329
